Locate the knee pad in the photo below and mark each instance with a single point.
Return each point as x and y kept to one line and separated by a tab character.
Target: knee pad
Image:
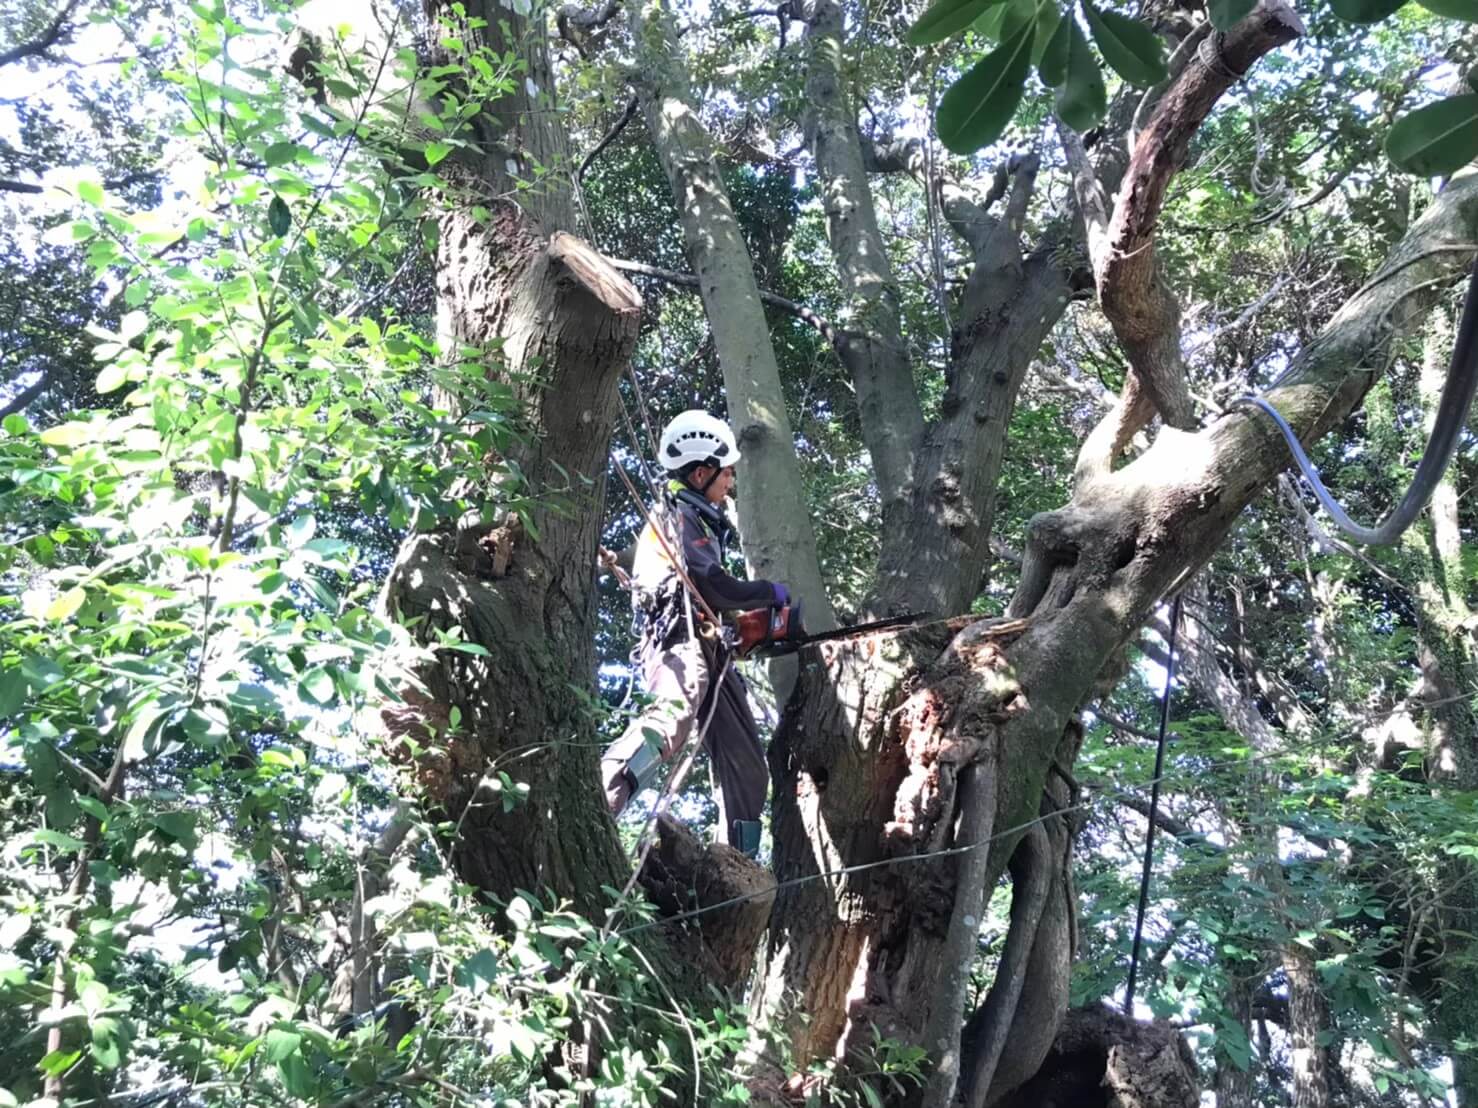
746	836
641	767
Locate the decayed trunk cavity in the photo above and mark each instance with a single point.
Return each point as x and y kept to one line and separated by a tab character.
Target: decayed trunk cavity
1103	1059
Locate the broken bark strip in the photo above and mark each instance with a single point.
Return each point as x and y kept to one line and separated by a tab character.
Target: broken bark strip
1144	313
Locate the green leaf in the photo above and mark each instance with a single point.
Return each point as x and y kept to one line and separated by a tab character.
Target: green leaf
317	685
1048	19
978	106
297	1078
1083	100
279	219
48	837
66	605
90	192
1225	13
113	376
58	1062
72	433
1053	66
1453	9
280	153
132	325
1133	50
437	151
179	826
1438	139
299	531
1365	11
944	18
15	424
13	690
110	1039
479	972
281	1043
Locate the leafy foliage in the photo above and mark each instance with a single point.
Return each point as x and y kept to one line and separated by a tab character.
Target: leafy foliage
974	112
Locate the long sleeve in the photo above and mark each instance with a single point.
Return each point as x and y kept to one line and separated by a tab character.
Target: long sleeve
721	590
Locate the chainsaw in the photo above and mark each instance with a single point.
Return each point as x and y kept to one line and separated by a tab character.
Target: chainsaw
773	632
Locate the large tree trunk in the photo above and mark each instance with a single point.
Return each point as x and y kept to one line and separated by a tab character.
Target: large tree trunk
546	316
875	763
884	759
779	543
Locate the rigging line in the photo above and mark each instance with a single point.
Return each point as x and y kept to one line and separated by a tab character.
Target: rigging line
1447	429
641	458
641	408
1101	793
1149	836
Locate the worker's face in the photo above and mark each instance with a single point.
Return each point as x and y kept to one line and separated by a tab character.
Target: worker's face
721	487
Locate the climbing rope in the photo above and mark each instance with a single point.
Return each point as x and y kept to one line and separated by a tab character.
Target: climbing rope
1149	838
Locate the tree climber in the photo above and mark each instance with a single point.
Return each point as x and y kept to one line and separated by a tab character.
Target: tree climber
681	652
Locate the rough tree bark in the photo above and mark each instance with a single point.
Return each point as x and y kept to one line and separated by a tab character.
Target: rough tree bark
549	318
882	758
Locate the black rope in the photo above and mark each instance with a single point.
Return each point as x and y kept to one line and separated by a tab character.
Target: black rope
1149	838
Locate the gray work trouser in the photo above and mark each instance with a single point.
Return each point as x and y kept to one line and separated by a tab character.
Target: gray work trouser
679	679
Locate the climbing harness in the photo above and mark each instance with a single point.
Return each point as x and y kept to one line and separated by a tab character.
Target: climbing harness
1149	837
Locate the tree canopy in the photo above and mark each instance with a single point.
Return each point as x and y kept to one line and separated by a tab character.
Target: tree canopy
326	340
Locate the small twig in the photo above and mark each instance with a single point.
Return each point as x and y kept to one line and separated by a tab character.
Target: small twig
688	280
610	137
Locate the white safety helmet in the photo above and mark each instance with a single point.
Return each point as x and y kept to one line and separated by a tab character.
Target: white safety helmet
696	436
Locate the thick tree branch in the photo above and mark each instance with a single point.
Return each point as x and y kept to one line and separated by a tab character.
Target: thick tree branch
22	400
1144	313
37	47
112	184
689	280
579	25
873	351
1183	833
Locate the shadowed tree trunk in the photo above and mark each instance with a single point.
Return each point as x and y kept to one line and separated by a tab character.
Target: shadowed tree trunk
545	315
